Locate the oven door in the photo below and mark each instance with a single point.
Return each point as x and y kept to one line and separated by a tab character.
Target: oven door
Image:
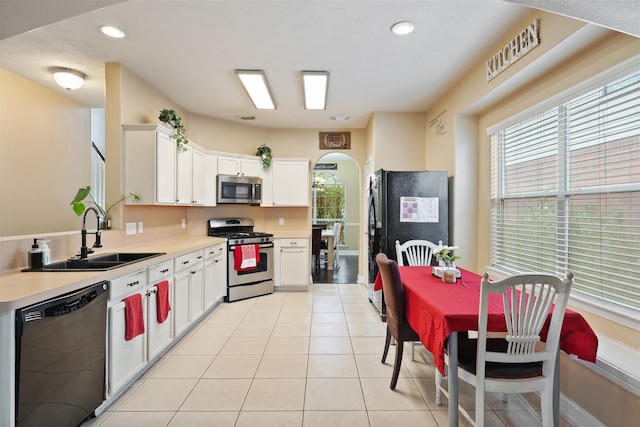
262	272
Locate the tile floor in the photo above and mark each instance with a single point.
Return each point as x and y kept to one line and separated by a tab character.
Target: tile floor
293	359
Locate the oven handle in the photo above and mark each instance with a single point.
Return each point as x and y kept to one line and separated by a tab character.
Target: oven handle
262	246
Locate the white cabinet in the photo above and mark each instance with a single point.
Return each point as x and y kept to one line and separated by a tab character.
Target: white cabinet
210	179
159	335
125	357
188	293
293	264
241	166
287	183
215	274
150	164
156	171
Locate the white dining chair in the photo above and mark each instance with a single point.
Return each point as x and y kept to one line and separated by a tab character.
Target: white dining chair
519	362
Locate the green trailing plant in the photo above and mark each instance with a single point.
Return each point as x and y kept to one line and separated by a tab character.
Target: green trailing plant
171	118
264	153
79	207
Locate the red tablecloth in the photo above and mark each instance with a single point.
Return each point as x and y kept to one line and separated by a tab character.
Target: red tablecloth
435	309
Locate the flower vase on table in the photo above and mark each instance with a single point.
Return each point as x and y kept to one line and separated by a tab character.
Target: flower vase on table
449	273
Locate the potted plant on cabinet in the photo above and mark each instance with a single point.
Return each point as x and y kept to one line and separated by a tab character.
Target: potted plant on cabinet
264	153
79	207
171	118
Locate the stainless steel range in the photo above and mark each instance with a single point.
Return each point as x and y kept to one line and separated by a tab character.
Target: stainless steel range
251	282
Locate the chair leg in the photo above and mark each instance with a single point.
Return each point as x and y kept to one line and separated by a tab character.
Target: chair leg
480	404
397	364
546	406
386	345
438	384
413	350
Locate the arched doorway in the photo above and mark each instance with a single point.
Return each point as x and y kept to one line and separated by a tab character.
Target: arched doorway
336	188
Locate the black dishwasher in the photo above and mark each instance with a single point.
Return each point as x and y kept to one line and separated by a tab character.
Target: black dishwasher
60	358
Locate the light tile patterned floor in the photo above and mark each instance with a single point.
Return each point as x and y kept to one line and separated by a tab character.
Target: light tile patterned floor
307	359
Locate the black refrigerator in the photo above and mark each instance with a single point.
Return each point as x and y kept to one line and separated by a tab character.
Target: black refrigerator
404	205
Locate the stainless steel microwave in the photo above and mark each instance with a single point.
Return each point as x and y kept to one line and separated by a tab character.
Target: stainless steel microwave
239	189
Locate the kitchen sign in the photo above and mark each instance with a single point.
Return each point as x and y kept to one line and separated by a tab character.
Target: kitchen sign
521	44
335	140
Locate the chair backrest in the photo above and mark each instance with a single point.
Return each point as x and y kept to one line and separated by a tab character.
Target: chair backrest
417	252
392	289
527	300
316	240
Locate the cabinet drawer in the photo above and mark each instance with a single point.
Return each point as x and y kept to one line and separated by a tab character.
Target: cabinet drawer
215	250
160	271
293	243
188	260
127	284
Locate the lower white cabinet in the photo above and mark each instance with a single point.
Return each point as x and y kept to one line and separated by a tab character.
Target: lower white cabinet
159	335
215	274
294	264
188	290
125	357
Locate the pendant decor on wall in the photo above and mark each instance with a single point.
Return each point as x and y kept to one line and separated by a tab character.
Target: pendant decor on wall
335	140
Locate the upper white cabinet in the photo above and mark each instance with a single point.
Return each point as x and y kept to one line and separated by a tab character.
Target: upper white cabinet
240	166
157	172
286	183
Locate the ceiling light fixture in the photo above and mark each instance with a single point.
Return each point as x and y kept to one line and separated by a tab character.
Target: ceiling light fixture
256	86
68	78
111	31
314	85
340	117
403	27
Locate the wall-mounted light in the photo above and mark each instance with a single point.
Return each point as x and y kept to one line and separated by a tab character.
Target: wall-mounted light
67	78
315	86
257	87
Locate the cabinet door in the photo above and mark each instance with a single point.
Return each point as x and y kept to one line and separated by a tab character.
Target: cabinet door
196	297
228	165
126	358
294	267
210	179
220	274
198	176
165	169
250	167
159	335
290	183
185	176
180	308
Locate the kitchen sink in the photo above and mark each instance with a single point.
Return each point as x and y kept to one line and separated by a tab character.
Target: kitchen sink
103	262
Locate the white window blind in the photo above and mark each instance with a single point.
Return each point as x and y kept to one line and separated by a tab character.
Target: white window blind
565	192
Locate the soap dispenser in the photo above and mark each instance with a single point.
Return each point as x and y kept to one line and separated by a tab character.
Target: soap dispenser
35	256
46	252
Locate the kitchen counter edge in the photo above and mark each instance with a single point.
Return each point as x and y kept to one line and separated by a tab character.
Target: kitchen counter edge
19	289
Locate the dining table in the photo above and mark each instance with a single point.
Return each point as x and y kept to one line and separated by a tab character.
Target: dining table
437	311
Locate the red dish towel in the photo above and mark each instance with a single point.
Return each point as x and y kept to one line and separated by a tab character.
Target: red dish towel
162	301
246	257
133	316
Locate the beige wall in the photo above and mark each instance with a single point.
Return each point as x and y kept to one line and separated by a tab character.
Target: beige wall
456	127
45	142
398	141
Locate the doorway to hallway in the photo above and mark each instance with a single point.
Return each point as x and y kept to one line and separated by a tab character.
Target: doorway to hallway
346	271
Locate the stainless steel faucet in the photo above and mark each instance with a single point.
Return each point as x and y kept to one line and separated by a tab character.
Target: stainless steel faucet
84	251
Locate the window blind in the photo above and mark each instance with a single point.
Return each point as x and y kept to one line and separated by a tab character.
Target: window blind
565	192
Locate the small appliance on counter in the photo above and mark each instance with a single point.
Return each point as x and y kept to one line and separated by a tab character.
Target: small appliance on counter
255	277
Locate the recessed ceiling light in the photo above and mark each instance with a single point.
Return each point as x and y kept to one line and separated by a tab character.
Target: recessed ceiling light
256	85
110	31
403	27
314	88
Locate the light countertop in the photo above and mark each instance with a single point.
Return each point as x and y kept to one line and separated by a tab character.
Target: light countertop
19	289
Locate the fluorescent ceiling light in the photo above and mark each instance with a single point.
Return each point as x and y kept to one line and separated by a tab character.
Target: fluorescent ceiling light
403	27
314	84
68	78
255	83
110	31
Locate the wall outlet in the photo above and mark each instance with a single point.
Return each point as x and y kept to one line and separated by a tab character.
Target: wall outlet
140	227
184	223
131	228
281	221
